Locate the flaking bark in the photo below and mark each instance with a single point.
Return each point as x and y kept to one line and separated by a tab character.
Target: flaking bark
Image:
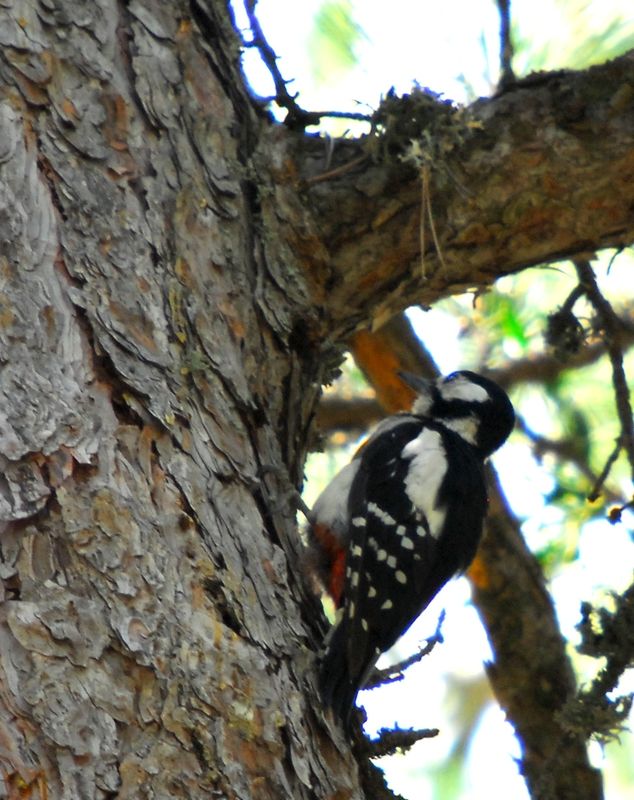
172	296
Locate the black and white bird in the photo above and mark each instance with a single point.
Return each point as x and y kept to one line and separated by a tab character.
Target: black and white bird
401	519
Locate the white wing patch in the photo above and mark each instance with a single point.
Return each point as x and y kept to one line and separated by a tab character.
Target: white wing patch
426	473
331	507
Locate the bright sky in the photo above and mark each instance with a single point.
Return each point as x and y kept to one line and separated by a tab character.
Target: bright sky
435	43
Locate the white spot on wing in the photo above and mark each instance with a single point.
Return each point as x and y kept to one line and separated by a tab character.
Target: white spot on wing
391	561
401	577
407	543
425	475
387	605
371	592
379	513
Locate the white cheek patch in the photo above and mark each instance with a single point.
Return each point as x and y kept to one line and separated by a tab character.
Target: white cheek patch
465	427
425	476
422	405
463	389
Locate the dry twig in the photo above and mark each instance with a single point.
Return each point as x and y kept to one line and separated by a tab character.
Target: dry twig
608	321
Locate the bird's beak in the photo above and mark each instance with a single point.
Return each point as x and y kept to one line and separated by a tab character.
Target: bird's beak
415	382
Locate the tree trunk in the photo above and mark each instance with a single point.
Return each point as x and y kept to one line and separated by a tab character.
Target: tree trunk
165	328
153	406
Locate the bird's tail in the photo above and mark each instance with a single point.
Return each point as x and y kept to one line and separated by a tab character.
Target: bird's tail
338	687
344	670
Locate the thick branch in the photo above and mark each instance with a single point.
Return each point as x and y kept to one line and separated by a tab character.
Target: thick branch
531	676
545	174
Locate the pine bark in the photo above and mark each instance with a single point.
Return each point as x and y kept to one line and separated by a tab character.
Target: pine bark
153	407
173	293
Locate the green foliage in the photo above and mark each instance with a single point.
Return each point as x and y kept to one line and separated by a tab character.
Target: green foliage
333	39
507	318
579	42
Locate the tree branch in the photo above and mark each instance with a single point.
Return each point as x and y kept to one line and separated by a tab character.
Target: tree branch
394	672
607	635
531	675
610	323
394	740
503	197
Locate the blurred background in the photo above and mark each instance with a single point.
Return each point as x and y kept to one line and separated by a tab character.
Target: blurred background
344	55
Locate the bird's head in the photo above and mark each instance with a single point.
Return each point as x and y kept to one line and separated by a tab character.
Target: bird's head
473	406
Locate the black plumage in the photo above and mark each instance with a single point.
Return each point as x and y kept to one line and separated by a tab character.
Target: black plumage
415	502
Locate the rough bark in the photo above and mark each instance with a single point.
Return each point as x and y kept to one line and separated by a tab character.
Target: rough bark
171	301
546	172
152	406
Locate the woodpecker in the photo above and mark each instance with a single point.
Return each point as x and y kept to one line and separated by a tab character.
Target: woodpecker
401	519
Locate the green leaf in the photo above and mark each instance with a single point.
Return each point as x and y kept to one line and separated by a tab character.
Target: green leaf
333	39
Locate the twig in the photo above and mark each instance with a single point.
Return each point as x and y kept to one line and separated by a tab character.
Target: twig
546	367
611	325
358	115
359	413
337	171
394	673
507	76
598	485
297	117
393	740
572	298
565	449
422	229
427	215
608	635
